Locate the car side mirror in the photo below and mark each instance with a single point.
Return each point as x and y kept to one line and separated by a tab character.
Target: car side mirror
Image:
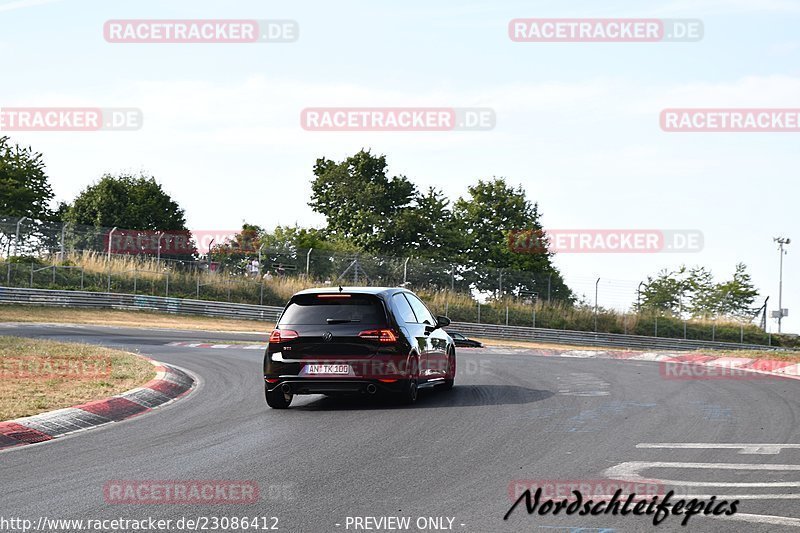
442	321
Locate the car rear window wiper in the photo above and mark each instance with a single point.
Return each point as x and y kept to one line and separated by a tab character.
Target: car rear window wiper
340	320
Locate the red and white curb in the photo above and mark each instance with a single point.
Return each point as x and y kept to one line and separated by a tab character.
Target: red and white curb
716	365
169	384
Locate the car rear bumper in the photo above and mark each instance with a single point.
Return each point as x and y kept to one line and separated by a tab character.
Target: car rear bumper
307	385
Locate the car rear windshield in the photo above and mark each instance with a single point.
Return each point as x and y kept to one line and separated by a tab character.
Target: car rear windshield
328	309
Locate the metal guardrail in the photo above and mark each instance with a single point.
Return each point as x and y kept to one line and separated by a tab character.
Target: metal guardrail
588	338
105	300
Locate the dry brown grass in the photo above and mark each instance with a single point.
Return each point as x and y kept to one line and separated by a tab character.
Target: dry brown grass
42	375
132	319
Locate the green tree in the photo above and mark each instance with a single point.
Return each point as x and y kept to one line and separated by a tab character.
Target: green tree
24	187
737	295
703	296
128	202
486	217
24	192
360	202
665	292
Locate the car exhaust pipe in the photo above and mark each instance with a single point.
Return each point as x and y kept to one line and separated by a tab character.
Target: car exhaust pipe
372	389
286	388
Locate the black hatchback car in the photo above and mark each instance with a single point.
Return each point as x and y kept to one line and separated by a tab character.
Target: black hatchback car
357	340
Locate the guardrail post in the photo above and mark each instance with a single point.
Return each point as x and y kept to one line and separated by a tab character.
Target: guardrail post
713	331
534	317
741	333
54	274
684	330
31	275
167	295
261	293
506	315
81	278
8	274
446	308
479	312
197	294
108	285
135	276
656	328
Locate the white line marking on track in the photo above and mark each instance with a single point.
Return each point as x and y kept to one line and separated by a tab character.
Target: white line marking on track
762	519
757	449
630	471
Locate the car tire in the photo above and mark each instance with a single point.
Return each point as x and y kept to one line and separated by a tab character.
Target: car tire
410	392
451	372
277	399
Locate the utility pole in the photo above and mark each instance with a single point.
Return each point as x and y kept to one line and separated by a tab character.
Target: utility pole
596	283
781	311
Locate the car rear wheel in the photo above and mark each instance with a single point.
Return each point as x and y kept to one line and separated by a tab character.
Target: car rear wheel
408	395
451	372
277	399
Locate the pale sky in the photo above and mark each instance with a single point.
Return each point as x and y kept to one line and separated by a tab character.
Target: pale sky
577	123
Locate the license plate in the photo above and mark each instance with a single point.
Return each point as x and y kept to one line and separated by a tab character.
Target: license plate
327	369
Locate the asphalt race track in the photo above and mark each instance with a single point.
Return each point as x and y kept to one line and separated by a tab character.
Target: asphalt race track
455	454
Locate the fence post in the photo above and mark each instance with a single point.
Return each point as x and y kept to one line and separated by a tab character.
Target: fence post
684	330
8	274
31	275
108	286
261	291
81	278
197	294
713	331
54	275
534	317
135	276
167	284
506	314
479	312
63	238
446	308
656	327
741	333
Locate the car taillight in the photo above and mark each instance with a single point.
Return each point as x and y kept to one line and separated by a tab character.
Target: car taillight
282	335
381	335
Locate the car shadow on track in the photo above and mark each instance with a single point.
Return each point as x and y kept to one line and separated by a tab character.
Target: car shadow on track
459	396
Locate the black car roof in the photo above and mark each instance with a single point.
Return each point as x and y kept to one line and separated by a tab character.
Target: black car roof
354	290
